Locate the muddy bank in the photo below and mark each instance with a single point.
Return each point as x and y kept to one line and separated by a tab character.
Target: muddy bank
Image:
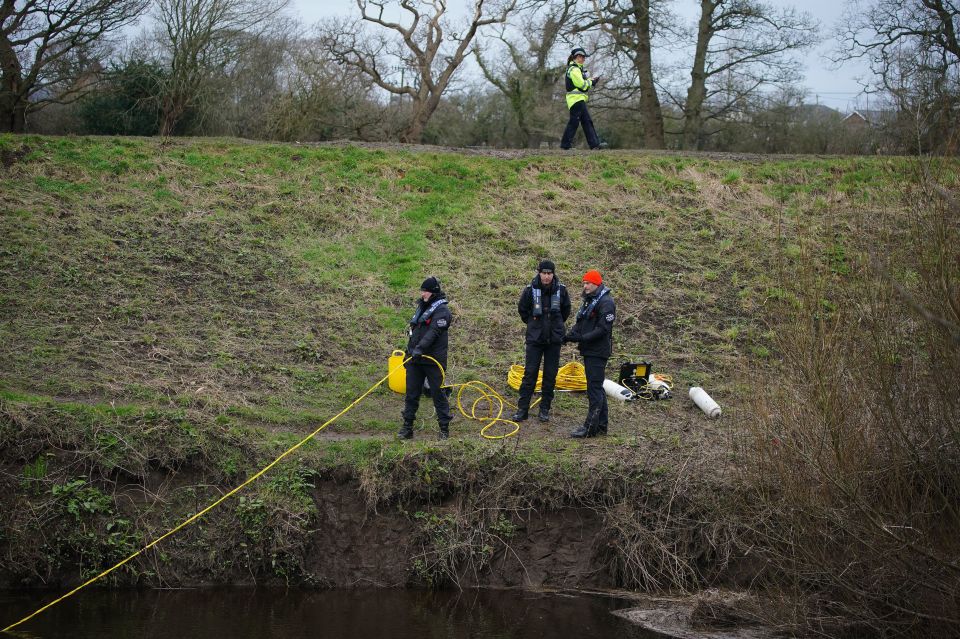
81	490
335	537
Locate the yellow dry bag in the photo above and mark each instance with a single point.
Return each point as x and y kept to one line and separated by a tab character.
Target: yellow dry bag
398	374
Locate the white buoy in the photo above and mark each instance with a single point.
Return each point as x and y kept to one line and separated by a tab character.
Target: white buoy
705	402
617	391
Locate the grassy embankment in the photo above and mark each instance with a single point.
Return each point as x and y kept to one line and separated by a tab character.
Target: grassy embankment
195	307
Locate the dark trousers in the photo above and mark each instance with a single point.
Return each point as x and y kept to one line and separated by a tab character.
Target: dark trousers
595	368
550	354
579	115
416	373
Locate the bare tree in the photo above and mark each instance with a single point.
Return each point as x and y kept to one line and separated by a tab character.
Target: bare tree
46	47
630	24
914	53
199	39
308	110
878	29
250	83
747	43
526	75
415	43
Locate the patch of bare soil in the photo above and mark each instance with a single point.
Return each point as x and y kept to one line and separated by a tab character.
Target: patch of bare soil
353	546
9	157
509	154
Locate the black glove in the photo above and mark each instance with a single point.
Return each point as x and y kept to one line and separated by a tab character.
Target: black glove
596	81
416	353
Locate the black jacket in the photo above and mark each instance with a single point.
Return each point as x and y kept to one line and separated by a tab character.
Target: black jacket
429	335
548	327
594	329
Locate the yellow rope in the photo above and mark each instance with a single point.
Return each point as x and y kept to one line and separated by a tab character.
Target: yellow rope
200	514
493	400
570	377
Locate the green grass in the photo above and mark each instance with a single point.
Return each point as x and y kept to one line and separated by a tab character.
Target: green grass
269	283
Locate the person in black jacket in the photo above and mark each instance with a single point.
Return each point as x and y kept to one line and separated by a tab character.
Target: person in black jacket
544	306
593	332
428	336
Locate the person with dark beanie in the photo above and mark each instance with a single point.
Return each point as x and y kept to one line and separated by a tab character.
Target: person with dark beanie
544	307
428	337
593	333
579	85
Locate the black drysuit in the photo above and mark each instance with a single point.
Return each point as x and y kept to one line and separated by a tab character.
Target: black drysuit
545	329
593	333
428	336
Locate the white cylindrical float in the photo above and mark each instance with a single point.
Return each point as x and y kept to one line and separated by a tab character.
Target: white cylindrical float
617	391
705	402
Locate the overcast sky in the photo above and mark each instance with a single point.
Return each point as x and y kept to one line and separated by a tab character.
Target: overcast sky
836	88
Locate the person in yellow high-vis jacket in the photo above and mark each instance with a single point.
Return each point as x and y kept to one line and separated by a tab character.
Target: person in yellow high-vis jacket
578	87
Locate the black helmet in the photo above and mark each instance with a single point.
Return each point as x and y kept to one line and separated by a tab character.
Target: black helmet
578	51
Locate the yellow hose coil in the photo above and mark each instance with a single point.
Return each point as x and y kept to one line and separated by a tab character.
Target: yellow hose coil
491	404
570	377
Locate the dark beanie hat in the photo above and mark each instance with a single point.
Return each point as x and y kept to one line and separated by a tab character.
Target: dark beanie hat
547	265
431	284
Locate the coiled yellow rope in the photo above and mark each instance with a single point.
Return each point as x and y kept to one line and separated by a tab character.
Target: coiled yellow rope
570	377
488	398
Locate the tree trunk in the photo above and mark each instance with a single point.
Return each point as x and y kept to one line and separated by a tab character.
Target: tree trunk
650	112
422	112
10	120
13	116
520	110
171	112
413	134
697	91
13	103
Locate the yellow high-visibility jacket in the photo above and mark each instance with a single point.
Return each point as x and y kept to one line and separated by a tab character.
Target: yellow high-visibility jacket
577	84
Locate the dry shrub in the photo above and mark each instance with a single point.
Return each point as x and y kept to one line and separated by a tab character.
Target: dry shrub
857	449
714	608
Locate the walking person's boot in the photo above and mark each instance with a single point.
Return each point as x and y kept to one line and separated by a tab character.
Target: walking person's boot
406	431
444	431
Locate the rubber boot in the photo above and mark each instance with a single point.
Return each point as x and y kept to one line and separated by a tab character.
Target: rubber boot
444	431
406	432
522	413
590	427
544	414
581	432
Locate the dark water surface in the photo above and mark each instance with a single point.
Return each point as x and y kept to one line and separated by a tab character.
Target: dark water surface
242	613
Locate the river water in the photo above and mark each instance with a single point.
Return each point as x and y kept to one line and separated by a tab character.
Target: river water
247	613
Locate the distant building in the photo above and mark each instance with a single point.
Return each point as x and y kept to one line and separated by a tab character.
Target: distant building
869	118
856	120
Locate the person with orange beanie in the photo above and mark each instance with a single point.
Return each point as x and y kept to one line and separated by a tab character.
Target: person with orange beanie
593	334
